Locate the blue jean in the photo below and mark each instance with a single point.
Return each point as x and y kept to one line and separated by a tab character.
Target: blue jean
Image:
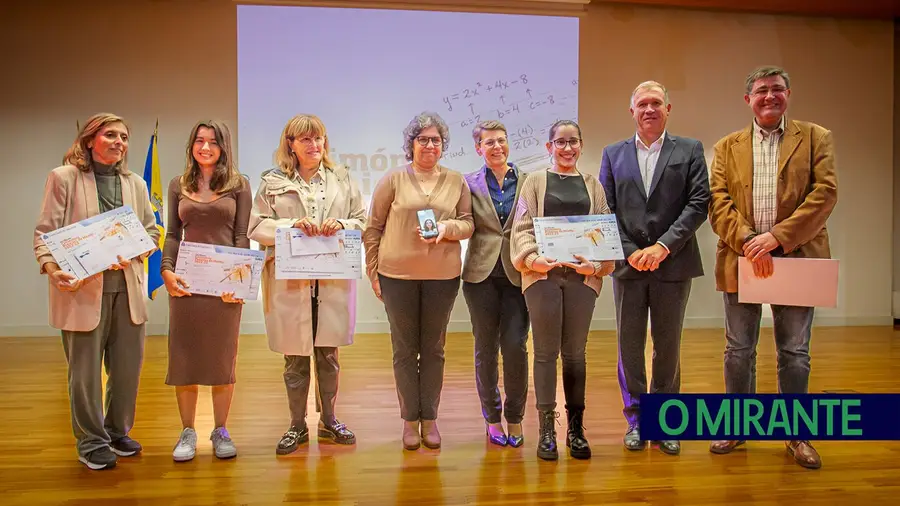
793	327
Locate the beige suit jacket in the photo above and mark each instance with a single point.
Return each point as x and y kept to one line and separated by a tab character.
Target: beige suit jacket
70	196
806	194
489	240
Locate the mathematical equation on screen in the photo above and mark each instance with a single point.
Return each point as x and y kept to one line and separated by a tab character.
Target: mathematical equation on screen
527	106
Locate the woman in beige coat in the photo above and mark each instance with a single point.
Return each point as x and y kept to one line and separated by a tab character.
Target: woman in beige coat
307	317
102	317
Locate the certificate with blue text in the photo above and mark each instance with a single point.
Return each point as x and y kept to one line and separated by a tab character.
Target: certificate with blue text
91	246
210	269
346	263
595	237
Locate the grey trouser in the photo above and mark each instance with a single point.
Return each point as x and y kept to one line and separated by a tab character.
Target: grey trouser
665	302
500	324
561	308
117	344
418	312
297	377
793	330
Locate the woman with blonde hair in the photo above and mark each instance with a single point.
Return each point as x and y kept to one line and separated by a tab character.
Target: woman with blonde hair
208	203
102	318
304	318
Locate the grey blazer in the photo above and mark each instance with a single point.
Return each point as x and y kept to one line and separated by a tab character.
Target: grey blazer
490	240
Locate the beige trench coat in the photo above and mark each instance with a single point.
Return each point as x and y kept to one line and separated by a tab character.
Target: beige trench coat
287	303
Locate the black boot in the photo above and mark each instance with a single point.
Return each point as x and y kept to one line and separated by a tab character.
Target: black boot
546	447
575	440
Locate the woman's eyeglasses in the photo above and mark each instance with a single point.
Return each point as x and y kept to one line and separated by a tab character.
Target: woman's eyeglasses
423	141
562	143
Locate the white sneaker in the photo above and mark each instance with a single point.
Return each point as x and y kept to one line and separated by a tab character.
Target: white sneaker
186	447
222	444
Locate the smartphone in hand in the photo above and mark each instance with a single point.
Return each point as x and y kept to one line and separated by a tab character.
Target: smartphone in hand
427	223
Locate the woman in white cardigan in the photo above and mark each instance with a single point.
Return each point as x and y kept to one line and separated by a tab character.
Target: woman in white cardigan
307	318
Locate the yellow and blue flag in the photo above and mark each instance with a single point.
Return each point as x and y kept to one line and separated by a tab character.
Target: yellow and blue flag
154	186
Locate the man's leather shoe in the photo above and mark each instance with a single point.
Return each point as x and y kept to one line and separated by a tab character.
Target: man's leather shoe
804	454
670	447
723	447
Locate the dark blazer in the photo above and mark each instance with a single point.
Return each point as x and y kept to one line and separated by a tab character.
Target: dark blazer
489	240
673	211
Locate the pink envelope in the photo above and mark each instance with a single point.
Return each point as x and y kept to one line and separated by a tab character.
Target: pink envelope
811	282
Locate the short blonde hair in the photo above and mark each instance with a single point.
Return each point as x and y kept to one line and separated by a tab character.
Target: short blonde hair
649	85
300	125
79	154
487	126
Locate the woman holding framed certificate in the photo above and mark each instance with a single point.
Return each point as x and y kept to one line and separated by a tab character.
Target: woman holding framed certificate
307	317
101	317
209	203
560	295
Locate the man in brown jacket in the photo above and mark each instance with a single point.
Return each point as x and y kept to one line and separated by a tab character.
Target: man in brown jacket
773	188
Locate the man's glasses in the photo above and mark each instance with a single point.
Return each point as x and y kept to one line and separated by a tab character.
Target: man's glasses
763	91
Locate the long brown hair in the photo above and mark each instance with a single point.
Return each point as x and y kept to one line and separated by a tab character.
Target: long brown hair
300	125
79	154
226	177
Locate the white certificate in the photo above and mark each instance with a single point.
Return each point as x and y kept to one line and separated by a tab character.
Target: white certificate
595	237
91	246
210	269
344	264
302	244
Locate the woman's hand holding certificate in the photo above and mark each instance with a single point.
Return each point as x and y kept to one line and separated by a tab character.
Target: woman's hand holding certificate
583	267
543	264
175	284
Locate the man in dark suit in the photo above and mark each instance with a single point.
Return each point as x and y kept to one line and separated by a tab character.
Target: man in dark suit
658	187
492	287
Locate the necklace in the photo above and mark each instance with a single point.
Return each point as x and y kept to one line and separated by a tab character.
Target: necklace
425	175
564	174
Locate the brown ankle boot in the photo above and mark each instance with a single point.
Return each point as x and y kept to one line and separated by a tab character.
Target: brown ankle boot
411	439
431	438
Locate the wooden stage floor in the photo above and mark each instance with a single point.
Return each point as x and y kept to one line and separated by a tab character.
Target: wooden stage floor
38	463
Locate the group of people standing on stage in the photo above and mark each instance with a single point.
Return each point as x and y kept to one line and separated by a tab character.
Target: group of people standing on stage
771	190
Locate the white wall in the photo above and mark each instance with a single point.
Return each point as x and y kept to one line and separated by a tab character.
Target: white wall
177	61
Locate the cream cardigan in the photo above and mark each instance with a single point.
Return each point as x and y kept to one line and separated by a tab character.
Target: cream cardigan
524	247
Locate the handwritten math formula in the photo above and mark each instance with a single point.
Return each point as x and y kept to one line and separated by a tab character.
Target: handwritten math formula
527	106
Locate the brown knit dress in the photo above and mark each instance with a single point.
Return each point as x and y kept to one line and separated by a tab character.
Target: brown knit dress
203	330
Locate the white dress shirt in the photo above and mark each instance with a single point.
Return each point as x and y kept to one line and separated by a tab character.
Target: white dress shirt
648	157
